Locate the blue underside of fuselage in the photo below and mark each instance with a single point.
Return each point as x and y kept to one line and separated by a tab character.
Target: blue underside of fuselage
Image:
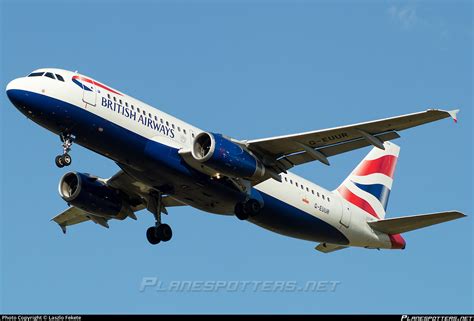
162	165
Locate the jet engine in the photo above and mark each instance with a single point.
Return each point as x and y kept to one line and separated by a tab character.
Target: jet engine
93	196
226	157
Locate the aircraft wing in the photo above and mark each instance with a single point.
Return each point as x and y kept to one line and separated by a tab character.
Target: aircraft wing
71	216
74	215
137	192
283	152
133	190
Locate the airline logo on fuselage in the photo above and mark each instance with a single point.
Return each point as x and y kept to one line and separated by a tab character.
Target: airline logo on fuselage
139	118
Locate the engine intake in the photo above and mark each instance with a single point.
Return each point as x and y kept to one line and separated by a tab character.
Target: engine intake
225	156
92	195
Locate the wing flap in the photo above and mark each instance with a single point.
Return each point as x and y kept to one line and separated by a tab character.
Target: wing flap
409	223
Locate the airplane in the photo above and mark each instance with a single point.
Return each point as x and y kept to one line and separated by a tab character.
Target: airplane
165	162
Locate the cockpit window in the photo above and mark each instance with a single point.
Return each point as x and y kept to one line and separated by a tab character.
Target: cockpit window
50	75
36	74
59	77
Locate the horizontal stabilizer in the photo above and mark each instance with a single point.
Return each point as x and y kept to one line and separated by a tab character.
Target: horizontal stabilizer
409	223
328	248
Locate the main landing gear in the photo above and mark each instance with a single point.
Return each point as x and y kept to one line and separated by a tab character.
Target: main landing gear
159	232
245	210
65	159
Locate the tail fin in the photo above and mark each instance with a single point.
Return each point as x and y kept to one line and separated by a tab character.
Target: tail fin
368	186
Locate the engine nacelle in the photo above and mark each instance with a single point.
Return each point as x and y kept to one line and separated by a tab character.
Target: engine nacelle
226	157
92	195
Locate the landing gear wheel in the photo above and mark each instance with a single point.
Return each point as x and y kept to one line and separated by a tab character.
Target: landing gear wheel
66	160
240	212
152	236
252	207
164	232
59	161
159	232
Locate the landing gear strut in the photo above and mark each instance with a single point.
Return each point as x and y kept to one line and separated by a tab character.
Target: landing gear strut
159	232
65	159
245	210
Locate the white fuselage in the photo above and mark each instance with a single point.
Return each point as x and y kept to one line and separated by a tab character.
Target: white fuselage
153	125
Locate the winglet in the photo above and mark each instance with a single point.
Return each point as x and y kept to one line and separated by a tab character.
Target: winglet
454	114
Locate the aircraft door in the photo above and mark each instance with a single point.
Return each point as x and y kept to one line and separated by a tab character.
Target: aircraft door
346	214
89	92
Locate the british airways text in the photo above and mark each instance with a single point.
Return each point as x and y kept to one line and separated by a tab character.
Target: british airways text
142	119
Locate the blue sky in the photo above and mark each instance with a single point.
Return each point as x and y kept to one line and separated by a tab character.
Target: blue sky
248	69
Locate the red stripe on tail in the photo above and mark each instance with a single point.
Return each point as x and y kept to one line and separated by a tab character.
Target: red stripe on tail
356	200
383	165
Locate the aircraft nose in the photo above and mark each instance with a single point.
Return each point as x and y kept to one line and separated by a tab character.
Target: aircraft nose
14	84
14	92
11	87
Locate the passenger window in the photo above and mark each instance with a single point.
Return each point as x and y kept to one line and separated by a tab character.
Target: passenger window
184	130
115	99
120	101
60	77
192	135
329	199
323	196
144	112
36	74
312	191
179	129
167	123
291	181
138	109
307	189
172	126
156	118
302	187
50	75
108	96
161	120
126	104
133	108
318	194
296	183
286	179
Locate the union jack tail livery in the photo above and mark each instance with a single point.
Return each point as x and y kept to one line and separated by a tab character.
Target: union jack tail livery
368	186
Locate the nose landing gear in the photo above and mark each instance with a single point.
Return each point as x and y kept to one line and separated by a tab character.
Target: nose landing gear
65	159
